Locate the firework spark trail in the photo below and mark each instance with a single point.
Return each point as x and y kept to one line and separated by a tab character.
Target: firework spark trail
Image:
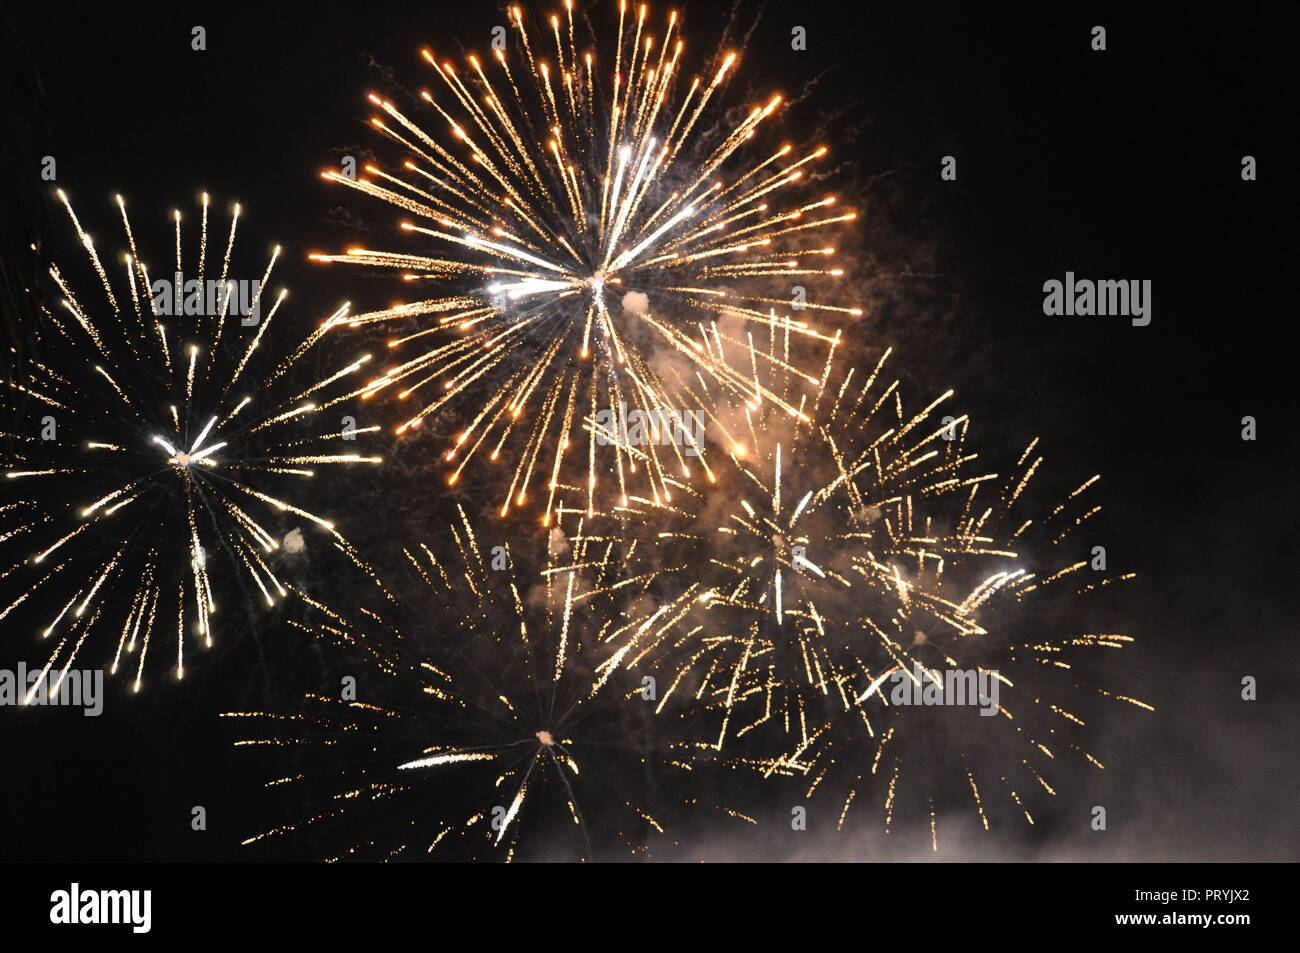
1019	602
144	446
1009	605
591	221
851	540
503	719
821	509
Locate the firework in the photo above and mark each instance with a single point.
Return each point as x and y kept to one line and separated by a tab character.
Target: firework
847	545
823	506
146	453
985	698
494	722
590	220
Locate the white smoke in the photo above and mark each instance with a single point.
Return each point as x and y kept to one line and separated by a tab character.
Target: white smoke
636	303
293	541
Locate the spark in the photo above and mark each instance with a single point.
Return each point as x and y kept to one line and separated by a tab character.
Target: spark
133	472
475	742
583	220
900	553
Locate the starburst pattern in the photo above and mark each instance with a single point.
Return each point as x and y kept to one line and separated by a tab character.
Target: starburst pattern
496	723
591	220
822	507
147	448
851	543
986	678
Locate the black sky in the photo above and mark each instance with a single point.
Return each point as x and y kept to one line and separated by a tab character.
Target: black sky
1121	164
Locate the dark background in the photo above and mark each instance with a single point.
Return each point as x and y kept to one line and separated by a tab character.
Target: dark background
1121	164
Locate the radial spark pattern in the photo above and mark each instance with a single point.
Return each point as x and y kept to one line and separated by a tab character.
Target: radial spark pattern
851	543
587	219
147	452
823	505
493	722
987	677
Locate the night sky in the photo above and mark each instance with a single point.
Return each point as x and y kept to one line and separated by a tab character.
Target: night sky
1121	164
